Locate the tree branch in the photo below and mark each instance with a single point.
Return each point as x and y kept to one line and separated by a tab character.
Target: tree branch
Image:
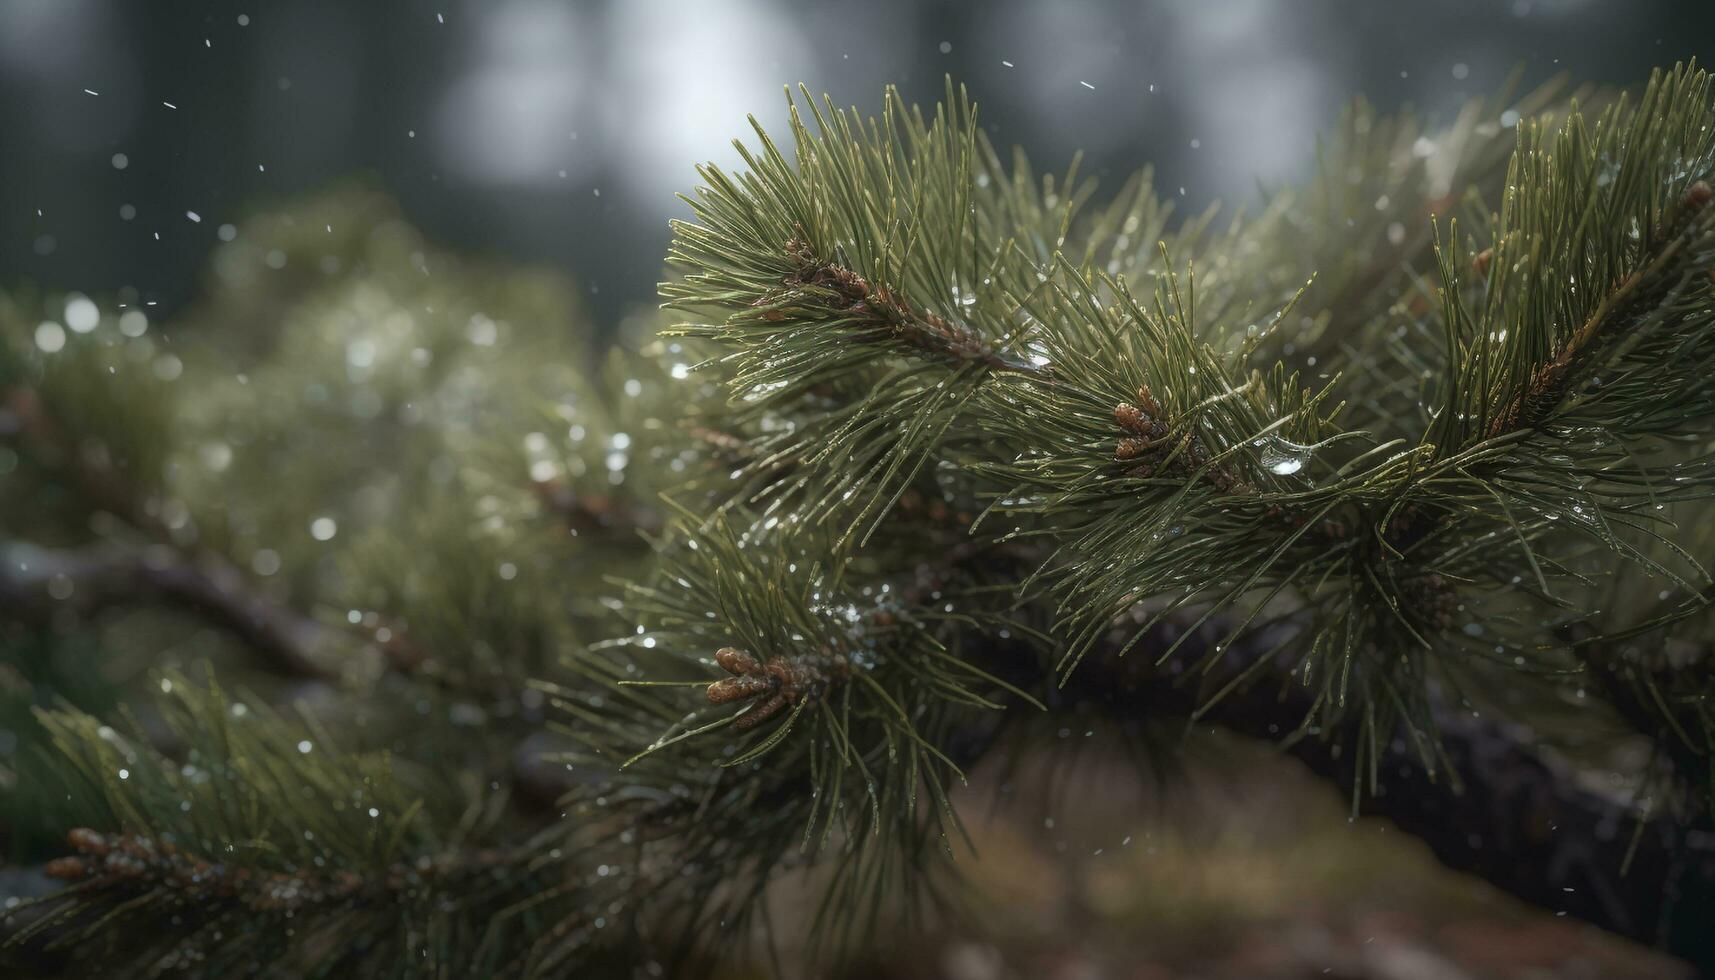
1501	810
1624	304
893	316
36	582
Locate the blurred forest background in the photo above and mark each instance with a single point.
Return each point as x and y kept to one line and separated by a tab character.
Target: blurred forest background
161	154
557	131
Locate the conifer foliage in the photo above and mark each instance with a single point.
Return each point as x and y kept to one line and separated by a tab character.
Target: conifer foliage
931	450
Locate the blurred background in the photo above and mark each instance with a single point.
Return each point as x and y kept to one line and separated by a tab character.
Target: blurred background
558	131
149	146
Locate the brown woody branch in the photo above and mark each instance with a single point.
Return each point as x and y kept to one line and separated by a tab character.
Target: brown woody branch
1622	308
1501	810
893	316
37	583
136	863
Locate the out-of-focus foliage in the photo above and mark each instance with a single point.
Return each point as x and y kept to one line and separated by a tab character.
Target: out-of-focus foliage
389	479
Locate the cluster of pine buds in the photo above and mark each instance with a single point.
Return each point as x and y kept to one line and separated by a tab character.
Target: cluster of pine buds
1147	432
1146	427
782	681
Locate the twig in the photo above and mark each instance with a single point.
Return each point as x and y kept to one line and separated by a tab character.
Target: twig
36	582
1550	382
133	862
892	314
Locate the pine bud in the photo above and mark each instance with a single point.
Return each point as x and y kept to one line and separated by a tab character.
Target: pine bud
1130	448
1130	418
1697	195
736	661
761	713
738	688
749	678
66	868
88	841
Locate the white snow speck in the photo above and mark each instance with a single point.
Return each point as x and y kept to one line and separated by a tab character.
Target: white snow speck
1088	86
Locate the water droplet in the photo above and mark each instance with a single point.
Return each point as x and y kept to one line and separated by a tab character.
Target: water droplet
1281	457
50	336
81	313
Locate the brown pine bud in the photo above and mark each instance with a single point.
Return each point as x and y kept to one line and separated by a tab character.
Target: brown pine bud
1481	262
1697	195
66	868
736	661
1146	398
1130	448
1130	418
88	841
761	713
738	688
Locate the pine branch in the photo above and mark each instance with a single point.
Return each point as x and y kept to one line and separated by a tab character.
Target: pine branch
1627	305
1487	802
1162	472
146	866
889	314
38	583
265	845
1494	805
